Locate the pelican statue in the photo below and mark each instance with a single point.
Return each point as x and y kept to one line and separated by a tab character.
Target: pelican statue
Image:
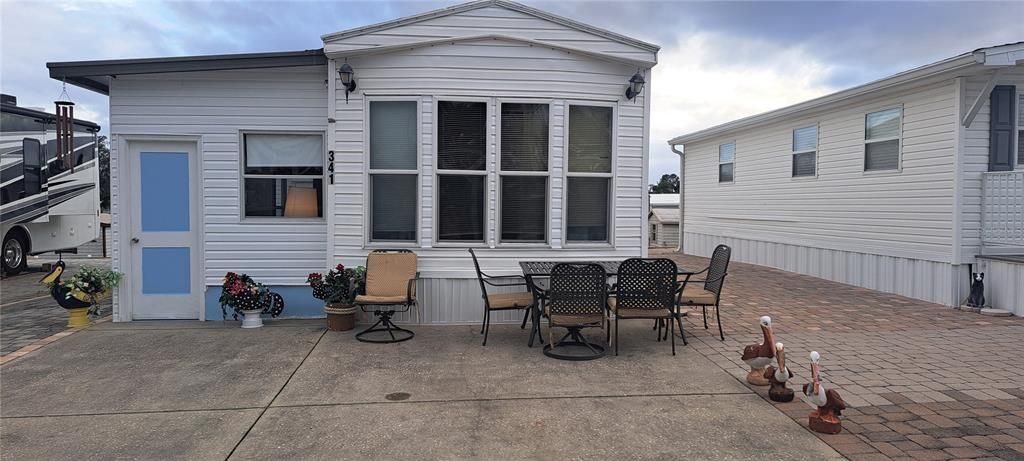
758	356
830	405
68	299
777	377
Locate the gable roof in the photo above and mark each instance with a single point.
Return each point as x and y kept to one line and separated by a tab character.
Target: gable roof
1002	55
665	215
488	3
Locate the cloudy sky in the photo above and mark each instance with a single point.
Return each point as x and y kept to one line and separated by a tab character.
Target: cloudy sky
719	60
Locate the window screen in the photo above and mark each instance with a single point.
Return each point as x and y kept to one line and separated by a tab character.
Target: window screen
524	137
393	135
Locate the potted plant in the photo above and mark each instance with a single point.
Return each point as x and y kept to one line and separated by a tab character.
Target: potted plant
338	289
81	293
250	298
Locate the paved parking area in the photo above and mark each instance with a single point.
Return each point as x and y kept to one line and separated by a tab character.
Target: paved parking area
27	312
923	381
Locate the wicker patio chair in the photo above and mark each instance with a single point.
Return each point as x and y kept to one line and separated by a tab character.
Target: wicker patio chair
501	301
693	293
645	288
577	299
390	287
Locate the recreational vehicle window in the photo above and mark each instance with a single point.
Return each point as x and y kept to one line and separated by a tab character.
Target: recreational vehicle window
394	169
882	131
805	147
32	166
524	172
589	173
283	175
462	170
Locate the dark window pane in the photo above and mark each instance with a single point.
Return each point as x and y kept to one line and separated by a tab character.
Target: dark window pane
293	198
393	135
803	164
524	137
462	135
725	172
590	139
1020	143
883	155
588	210
393	215
460	208
523	208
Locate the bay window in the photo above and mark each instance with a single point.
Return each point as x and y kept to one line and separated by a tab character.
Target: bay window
394	169
282	175
461	171
523	173
589	174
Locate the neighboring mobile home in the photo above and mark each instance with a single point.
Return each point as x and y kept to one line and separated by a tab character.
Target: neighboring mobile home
664	220
899	185
488	125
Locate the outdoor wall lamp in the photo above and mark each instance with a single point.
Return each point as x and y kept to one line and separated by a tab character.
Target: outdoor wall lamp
347	79
636	85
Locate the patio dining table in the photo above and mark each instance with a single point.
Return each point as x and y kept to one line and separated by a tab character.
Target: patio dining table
533	270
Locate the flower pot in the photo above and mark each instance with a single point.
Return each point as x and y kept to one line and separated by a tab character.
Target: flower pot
340	317
78	317
251	318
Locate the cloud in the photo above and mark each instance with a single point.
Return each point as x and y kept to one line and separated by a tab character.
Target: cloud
707	78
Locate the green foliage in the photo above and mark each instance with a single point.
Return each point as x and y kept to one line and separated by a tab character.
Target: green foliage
92	281
103	161
669	184
339	286
242	293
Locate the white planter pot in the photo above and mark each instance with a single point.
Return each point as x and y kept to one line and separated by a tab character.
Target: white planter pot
252	319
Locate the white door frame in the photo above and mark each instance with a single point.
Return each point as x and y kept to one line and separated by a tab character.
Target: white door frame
121	208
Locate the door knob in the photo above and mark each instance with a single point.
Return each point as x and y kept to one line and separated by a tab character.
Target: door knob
135	240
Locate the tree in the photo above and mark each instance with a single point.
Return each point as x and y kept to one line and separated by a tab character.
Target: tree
103	160
669	184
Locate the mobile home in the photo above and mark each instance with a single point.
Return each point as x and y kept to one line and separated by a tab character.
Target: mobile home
663	220
905	184
489	125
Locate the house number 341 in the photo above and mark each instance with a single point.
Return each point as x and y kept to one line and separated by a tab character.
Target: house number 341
330	166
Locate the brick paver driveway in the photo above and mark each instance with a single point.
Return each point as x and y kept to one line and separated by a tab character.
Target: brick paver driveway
923	381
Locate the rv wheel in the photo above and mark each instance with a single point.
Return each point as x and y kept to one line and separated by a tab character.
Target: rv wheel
14	249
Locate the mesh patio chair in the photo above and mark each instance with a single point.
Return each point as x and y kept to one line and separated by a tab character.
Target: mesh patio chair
708	294
390	287
645	288
577	299
501	301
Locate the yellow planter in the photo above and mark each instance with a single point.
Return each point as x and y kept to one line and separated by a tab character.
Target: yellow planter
78	317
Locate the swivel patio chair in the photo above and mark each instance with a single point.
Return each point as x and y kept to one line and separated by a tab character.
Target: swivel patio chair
708	294
645	288
577	299
390	288
501	301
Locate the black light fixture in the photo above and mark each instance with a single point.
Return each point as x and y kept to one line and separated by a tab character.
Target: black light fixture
347	78
636	85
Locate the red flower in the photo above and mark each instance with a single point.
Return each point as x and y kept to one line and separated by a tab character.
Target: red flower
340	267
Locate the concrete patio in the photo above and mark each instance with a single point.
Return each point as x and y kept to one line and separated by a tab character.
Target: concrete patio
291	390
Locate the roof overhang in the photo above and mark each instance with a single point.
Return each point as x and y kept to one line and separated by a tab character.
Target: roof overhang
992	57
508	38
96	75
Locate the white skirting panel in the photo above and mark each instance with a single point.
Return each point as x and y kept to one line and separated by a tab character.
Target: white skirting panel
1004	285
453	301
914	278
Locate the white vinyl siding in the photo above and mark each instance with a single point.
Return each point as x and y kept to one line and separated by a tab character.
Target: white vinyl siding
218	106
882	136
845	209
805	151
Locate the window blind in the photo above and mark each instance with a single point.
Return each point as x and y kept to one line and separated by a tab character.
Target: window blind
803	164
523	208
726	153
462	135
393	198
883	155
882	124
524	137
587	209
461	207
725	172
284	153
590	139
393	135
805	139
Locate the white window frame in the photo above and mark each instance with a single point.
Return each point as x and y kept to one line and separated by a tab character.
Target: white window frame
793	153
499	173
719	163
898	138
368	241
242	176
489	131
611	174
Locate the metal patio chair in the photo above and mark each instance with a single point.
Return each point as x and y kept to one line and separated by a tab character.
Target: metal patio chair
577	299
645	288
390	288
693	293
501	301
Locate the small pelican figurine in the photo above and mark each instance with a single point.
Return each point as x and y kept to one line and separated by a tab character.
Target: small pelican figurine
777	377
758	356
830	405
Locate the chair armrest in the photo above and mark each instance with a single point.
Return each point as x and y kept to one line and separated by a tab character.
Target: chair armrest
410	289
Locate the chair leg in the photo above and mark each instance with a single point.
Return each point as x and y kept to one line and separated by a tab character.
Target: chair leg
718	318
484	323
704	312
672	334
487	327
682	332
616	336
526	316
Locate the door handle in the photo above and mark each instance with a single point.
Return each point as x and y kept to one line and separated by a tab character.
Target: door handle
135	240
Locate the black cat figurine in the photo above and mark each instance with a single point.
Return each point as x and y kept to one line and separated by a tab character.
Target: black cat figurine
977	296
